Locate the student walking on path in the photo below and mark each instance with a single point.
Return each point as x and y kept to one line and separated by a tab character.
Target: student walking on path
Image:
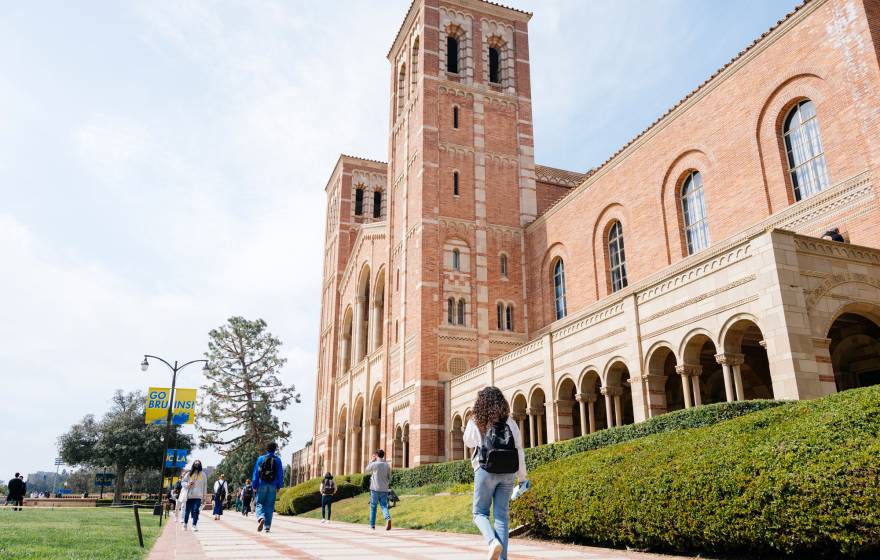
182	492
328	489
221	491
267	479
247	494
16	490
380	485
196	485
498	461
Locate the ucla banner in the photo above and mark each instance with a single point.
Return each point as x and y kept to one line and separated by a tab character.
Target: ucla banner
176	458
157	406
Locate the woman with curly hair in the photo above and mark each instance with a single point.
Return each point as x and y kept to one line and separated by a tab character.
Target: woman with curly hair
498	462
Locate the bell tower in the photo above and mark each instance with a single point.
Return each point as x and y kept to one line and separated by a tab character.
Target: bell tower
461	179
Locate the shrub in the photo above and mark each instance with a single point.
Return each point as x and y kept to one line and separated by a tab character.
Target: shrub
456	472
803	479
306	496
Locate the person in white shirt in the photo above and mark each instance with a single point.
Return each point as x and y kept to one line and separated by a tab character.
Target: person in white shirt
196	484
498	461
221	491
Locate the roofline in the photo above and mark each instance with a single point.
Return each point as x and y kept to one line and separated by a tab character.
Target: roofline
345	158
800	12
482	5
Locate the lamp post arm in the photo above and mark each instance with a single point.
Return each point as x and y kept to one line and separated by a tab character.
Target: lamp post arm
160	359
192	362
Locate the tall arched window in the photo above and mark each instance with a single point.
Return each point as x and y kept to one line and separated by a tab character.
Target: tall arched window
500	310
559	288
693	208
456	260
461	311
401	89
503	264
455	117
377	204
803	145
450	311
617	257
494	65
451	54
508	317
358	201
455	183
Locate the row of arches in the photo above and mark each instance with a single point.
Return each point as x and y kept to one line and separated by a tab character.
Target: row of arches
359	435
363	321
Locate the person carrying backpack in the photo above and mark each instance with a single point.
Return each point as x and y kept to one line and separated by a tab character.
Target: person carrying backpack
221	491
498	461
247	494
267	479
328	489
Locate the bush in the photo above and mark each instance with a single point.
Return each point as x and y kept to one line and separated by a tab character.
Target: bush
456	472
306	496
803	479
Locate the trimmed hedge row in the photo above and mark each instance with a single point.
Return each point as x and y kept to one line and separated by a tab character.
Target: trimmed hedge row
461	471
799	479
305	496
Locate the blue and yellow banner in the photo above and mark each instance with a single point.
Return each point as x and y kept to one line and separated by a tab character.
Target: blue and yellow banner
157	406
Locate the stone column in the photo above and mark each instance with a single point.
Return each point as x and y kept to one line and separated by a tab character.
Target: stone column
687	371
374	437
518	418
345	354
736	367
591	411
618	410
582	403
356	329
698	389
533	423
540	432
609	408
731	363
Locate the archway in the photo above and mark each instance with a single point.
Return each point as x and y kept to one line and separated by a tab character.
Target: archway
357	435
379	311
375	422
702	372
537	419
592	403
398	447
662	362
855	351
362	315
568	413
341	441
406	446
518	410
618	388
456	447
747	360
345	349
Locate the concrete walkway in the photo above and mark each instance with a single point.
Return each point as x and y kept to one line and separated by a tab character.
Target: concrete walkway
294	537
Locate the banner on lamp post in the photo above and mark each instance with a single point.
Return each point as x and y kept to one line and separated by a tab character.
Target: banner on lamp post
184	411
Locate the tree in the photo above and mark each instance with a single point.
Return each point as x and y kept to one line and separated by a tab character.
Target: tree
120	440
237	465
244	390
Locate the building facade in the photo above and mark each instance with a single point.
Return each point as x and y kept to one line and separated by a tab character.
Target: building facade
688	268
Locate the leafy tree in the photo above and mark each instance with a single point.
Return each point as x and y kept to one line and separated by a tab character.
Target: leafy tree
4	489
119	440
244	391
237	465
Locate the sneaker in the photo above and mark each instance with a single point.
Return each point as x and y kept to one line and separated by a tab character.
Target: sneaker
185	527
328	522
195	529
260	524
323	521
372	527
388	524
267	530
494	550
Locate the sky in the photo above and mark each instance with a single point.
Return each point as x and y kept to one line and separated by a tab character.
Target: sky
162	168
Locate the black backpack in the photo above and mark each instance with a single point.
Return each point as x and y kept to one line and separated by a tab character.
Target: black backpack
267	469
498	452
221	492
248	493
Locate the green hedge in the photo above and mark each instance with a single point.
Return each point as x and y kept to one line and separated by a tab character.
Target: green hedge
305	496
461	471
800	479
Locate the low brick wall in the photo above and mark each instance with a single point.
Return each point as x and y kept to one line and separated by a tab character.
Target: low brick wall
60	502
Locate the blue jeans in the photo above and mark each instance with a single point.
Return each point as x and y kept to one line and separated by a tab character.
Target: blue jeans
266	503
495	488
326	505
380	498
193	507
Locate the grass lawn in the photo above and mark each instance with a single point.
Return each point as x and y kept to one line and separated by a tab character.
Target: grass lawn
69	533
419	508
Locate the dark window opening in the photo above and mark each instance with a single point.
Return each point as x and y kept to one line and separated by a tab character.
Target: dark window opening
494	65
455	183
455	117
509	317
461	312
452	55
377	204
358	202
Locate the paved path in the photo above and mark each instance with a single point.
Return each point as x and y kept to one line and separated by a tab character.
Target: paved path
294	537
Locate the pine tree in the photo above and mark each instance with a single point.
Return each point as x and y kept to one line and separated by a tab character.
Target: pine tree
244	391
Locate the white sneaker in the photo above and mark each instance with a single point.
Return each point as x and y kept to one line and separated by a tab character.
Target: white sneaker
495	549
323	521
195	529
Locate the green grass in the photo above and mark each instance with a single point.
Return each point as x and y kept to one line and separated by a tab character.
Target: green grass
419	508
72	534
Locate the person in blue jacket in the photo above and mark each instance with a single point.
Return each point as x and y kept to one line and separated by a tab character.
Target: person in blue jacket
267	479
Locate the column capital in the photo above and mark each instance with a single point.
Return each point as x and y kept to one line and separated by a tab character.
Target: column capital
564	402
536	411
355	429
818	342
730	359
586	397
518	416
374	421
362	299
692	370
611	391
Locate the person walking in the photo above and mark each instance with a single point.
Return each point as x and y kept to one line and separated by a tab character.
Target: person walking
380	485
16	491
181	496
196	484
221	491
498	461
247	494
267	479
328	489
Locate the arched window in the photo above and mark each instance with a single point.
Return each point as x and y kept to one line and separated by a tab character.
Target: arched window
358	202
617	257
503	264
401	89
456	260
450	311
451	54
559	288
461	311
500	310
455	117
494	65
377	204
693	208
803	145
455	183
508	317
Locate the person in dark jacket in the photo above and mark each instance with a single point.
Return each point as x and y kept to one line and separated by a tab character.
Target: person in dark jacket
247	494
267	479
17	489
328	489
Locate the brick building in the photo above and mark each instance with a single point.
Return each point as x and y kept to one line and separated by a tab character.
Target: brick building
688	268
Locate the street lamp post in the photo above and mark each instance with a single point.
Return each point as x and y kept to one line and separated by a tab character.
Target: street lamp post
174	369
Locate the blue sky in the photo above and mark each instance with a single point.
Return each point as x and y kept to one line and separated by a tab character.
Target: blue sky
162	167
